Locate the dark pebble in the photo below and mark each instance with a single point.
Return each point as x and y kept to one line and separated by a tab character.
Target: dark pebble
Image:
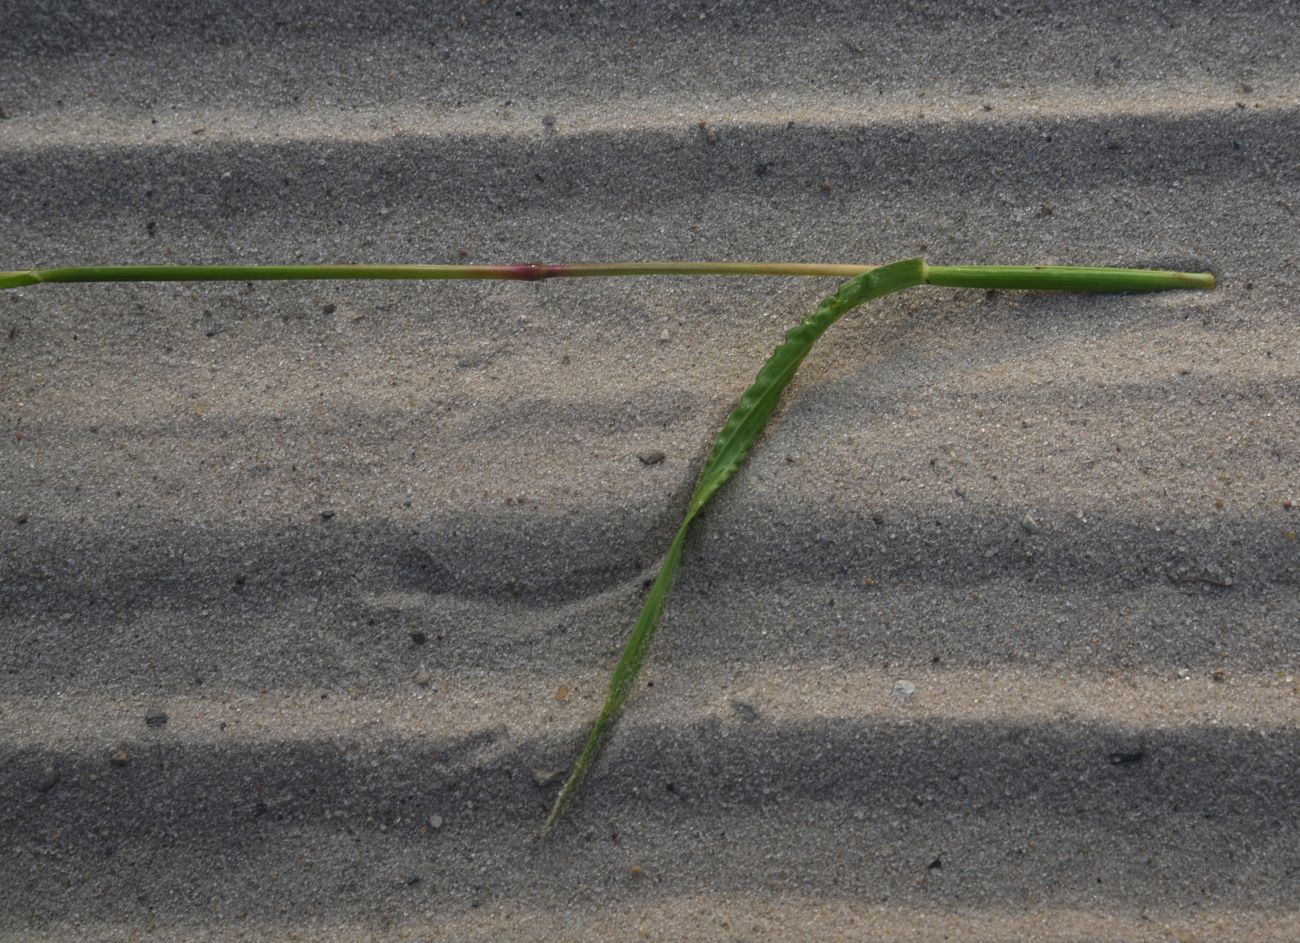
328	309
653	457
744	711
158	719
326	515
121	758
49	779
419	638
1126	758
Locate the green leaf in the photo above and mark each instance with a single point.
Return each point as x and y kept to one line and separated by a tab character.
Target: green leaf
738	435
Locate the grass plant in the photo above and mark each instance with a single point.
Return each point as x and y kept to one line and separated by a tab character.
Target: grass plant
745	422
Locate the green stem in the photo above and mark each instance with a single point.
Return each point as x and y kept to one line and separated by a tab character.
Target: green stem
1053	277
746	421
250	273
1063	278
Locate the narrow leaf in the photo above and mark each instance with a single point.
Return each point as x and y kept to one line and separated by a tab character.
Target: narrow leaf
738	435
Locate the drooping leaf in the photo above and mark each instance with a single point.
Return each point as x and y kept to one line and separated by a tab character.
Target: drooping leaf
738	435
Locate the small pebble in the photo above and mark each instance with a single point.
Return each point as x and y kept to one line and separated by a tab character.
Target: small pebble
328	309
544	777
121	758
418	637
49	779
435	821
652	457
665	336
423	678
744	711
158	719
903	690
1126	757
1030	524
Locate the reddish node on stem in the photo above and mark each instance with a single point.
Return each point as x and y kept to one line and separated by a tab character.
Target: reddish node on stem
533	273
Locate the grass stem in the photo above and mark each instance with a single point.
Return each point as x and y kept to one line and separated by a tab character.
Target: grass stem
746	421
1050	277
527	273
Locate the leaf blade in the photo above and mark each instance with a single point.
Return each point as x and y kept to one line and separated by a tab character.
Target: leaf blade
739	433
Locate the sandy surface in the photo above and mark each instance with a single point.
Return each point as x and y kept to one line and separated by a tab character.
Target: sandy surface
308	590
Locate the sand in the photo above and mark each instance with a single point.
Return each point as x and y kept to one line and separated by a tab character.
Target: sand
308	591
